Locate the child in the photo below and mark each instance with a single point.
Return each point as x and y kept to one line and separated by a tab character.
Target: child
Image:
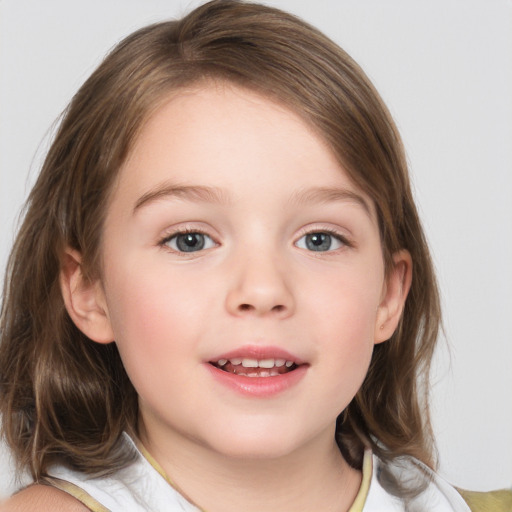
221	297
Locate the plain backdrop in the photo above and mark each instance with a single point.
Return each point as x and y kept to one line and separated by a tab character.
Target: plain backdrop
444	68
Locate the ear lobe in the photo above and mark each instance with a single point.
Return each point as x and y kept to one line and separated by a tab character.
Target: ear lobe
395	293
84	301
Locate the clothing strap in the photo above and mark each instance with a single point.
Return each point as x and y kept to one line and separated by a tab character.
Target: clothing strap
74	491
143	486
146	482
494	501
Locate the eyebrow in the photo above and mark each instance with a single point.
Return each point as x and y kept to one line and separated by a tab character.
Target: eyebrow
198	193
201	193
329	195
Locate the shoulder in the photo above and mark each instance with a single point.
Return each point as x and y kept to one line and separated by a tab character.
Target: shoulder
42	498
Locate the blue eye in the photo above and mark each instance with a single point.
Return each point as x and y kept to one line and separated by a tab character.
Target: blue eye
189	242
320	242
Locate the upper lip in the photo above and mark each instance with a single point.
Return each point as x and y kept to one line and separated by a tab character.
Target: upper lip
259	353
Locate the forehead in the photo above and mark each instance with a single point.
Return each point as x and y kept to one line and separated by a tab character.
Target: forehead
226	137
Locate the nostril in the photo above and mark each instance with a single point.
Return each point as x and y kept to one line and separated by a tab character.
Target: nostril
248	307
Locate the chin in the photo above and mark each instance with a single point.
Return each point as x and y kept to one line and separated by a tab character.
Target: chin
256	451
257	442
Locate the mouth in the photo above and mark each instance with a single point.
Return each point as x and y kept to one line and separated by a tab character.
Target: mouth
249	367
258	372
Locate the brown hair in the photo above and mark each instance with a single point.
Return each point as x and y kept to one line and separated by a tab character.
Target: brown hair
65	398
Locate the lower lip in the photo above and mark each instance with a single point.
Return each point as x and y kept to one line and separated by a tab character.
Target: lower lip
260	387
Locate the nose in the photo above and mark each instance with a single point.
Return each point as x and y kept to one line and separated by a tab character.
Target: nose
259	286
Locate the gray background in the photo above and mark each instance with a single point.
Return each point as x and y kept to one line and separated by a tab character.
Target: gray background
444	68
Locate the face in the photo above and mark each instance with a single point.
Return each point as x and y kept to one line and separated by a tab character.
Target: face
243	278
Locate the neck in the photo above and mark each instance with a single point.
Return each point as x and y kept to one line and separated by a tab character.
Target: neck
313	477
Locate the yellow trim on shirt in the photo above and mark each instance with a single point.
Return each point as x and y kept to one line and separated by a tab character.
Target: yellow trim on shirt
152	461
357	506
362	494
76	492
95	506
494	501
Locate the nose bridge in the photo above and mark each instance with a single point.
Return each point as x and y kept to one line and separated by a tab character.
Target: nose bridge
260	282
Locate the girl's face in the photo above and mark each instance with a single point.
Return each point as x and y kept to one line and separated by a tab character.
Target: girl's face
243	278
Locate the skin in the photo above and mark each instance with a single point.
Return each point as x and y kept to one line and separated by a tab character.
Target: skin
256	283
42	498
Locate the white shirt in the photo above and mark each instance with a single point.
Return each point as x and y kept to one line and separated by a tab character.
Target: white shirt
141	487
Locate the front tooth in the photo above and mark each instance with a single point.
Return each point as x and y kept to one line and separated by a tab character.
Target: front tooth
250	363
289	363
266	363
280	362
222	362
236	361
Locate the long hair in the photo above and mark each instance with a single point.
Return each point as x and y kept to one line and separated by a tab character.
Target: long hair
65	398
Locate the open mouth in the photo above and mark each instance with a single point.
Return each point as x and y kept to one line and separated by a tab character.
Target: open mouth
248	367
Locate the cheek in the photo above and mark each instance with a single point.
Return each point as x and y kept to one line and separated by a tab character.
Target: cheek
346	352
345	315
145	296
154	321
346	300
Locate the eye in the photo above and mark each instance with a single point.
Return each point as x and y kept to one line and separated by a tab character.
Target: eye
192	241
321	241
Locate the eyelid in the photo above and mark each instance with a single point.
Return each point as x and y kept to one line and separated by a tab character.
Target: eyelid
329	230
172	232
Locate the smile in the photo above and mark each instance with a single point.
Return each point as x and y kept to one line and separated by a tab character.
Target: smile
249	367
259	372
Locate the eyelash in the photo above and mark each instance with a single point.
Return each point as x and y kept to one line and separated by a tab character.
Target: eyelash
164	241
328	231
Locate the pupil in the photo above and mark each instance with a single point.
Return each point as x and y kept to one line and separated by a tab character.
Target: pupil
190	242
318	242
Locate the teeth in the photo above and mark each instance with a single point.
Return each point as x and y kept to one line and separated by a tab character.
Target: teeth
249	363
255	363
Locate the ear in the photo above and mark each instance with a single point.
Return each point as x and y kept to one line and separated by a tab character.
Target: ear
85	301
395	292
